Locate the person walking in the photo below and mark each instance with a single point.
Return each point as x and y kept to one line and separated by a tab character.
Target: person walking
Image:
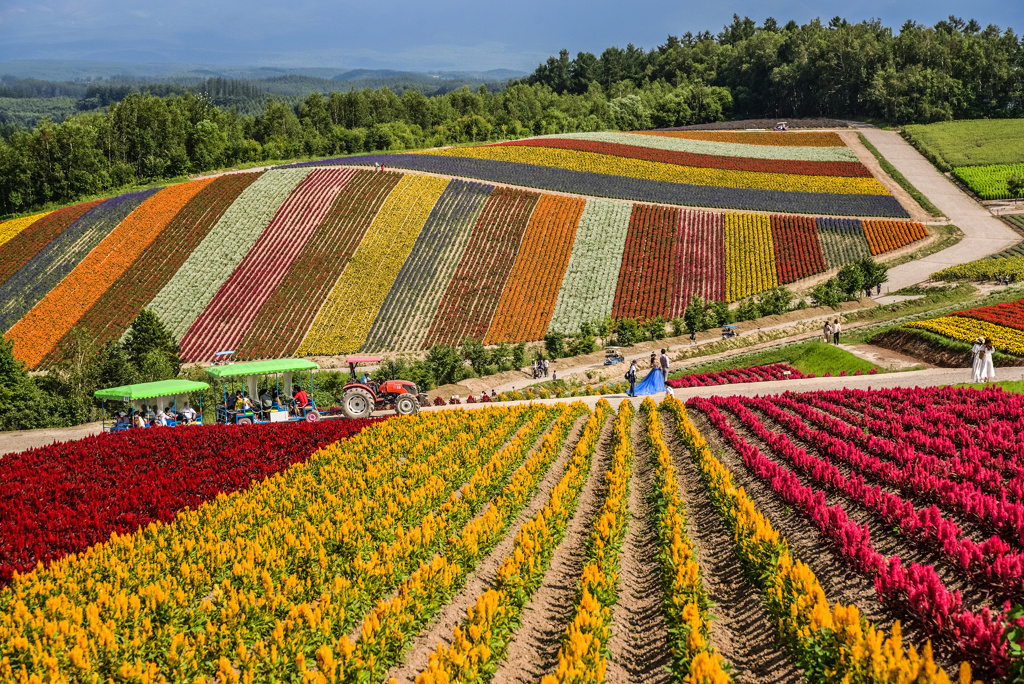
663	362
988	371
547	364
631	378
977	359
835	331
827	331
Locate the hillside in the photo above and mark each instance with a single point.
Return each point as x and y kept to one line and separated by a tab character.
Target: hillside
323	260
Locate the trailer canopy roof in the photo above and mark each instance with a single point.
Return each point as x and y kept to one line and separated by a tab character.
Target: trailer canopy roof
261	367
148	390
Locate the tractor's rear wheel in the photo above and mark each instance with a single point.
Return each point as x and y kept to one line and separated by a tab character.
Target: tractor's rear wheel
245	421
357	403
406	405
312	416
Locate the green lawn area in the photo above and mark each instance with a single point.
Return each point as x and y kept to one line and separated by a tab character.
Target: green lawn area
1009	386
809	357
969	143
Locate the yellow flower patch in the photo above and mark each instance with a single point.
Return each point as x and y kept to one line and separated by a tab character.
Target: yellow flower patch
968	329
749	255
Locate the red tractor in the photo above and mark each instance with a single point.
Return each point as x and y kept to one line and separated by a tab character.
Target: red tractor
363	396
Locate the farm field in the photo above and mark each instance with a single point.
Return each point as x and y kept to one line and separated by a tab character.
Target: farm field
970	143
796	172
329	260
1003	323
509	553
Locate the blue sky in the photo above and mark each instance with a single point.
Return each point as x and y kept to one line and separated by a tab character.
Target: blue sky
408	34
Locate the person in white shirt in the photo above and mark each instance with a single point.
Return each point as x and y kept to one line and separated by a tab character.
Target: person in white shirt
188	413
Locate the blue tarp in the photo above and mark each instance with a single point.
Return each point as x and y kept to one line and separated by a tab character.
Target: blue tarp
652	384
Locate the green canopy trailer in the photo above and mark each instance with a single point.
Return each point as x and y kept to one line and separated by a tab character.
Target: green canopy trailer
276	411
164	391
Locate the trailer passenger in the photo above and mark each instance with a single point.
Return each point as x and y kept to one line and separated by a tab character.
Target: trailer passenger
301	398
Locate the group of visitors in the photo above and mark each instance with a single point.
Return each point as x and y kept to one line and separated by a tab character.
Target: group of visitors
878	290
540	368
831	331
149	416
268	402
982	368
1003	279
659	363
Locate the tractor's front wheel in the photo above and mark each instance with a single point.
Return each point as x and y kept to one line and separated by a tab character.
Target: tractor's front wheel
357	403
312	416
406	405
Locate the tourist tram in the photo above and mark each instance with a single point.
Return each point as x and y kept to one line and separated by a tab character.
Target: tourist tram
276	404
164	402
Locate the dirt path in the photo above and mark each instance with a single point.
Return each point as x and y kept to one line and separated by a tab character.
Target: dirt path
884	358
741	630
11	442
442	627
639	643
534	650
865	157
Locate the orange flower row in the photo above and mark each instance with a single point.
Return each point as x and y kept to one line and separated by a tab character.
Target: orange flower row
817	139
528	302
885	236
35	335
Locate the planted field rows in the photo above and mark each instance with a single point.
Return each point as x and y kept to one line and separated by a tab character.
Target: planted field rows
798	251
645	281
700	260
231	312
10	229
287	315
749	256
524	312
409	308
548	543
472	295
842	241
345	318
28	242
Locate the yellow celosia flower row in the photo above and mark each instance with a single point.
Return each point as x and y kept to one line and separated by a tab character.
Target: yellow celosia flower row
248	582
344	320
575	160
392	623
686	602
749	255
492	621
8	229
831	644
582	656
965	329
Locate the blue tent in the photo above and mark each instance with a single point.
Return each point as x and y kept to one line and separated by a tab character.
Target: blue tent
652	384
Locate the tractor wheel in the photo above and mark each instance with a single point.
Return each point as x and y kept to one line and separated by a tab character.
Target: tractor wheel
245	421
406	405
357	403
312	416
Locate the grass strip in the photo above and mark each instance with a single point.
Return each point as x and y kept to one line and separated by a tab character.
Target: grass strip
901	179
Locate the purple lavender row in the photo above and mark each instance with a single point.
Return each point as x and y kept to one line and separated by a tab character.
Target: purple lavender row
639	189
438	250
35	279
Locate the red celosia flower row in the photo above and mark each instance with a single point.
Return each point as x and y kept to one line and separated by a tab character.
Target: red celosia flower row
797	247
645	281
776	371
64	498
1009	314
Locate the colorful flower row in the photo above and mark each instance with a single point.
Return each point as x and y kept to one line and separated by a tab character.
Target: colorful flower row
28	242
117	307
829	643
587	292
1009	340
36	334
686	601
1007	314
847	169
885	236
406	314
775	371
768	138
749	256
798	252
583	654
700	260
63	498
629	167
233	309
984	269
491	623
473	293
842	240
645	280
9	229
728	145
976	637
525	309
35	279
288	313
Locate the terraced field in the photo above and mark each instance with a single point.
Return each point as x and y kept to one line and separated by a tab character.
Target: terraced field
733	539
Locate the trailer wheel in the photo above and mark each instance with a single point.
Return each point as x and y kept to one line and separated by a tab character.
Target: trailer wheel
312	416
245	421
357	403
406	405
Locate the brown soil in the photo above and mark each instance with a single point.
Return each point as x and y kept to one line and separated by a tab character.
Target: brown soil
442	627
839	581
911	344
12	442
741	629
534	650
639	642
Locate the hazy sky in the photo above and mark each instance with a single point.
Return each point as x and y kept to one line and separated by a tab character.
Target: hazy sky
405	34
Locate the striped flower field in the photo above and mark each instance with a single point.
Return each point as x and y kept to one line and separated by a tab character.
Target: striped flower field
322	259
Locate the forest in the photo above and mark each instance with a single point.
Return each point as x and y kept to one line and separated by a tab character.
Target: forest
953	70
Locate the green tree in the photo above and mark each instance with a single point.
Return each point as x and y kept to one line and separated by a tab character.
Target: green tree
1015	184
148	335
23	405
445	364
519	355
850	280
554	344
827	293
874	273
477	355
